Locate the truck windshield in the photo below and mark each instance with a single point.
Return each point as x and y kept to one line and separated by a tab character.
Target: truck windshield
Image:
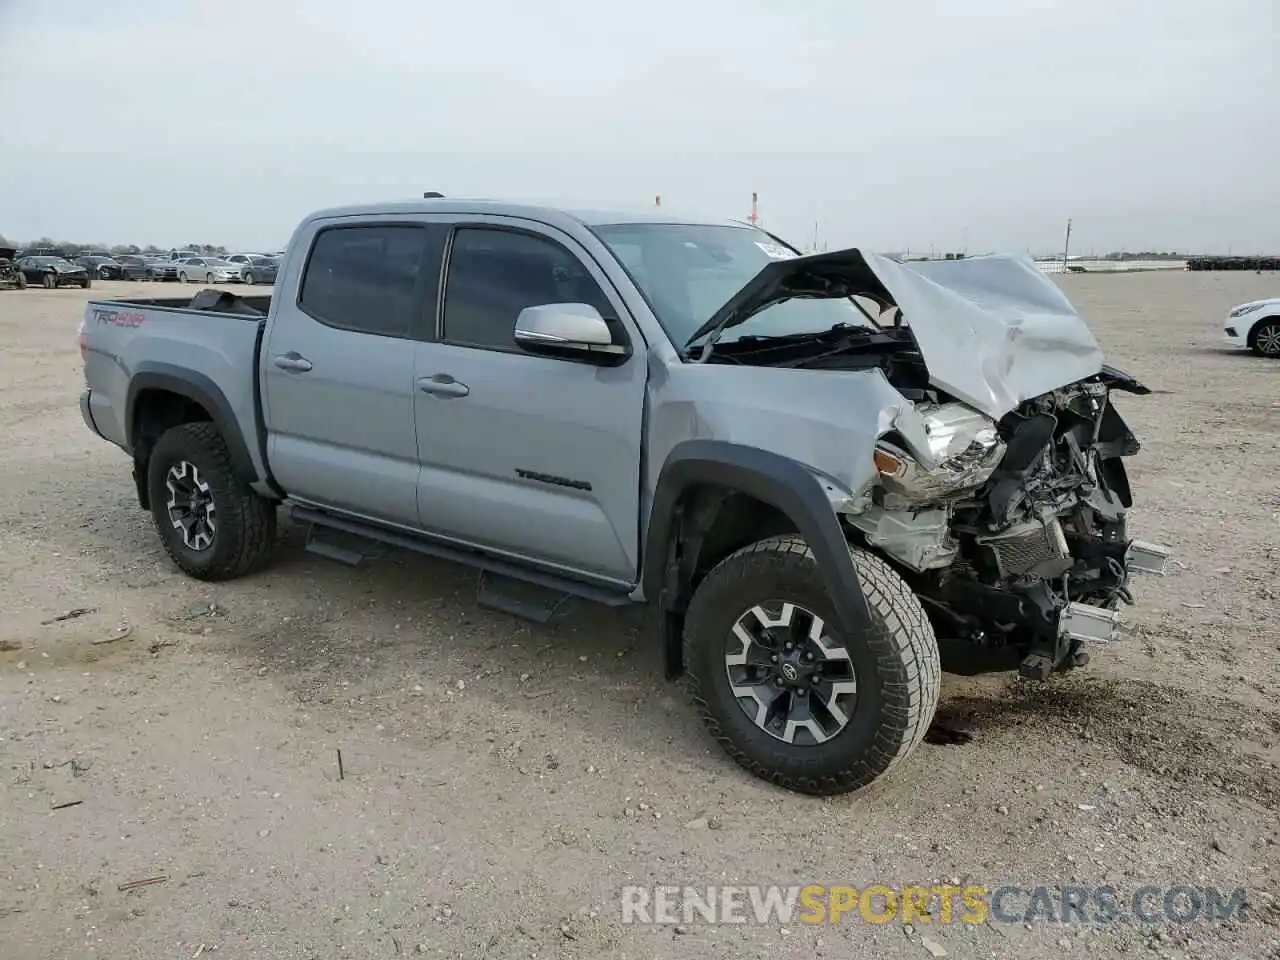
687	272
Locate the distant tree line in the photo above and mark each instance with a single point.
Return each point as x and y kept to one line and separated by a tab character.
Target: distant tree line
76	249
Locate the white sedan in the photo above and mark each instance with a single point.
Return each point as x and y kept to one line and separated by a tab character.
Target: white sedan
208	269
1255	325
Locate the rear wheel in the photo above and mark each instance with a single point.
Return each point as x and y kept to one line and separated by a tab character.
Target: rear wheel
1265	338
210	523
21	280
87	282
789	694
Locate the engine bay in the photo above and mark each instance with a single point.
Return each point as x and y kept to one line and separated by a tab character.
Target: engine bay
1041	537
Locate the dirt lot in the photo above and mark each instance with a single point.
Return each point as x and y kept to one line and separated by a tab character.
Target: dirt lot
502	782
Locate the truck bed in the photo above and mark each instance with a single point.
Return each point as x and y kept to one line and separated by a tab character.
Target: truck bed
224	302
178	345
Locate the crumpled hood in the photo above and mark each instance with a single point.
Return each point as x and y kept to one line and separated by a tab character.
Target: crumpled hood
994	331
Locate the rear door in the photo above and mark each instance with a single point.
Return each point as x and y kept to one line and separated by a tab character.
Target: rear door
525	455
337	369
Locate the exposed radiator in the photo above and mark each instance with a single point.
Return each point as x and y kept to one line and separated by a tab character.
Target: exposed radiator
1030	547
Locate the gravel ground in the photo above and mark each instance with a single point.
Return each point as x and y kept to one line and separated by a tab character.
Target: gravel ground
502	782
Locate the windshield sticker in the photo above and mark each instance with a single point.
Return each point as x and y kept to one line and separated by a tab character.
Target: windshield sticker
776	251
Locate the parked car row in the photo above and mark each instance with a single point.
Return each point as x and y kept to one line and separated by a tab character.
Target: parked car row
50	268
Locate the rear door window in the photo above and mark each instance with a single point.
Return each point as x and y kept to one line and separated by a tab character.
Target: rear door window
379	279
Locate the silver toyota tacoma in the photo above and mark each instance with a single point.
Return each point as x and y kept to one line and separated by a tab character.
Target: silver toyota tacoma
832	475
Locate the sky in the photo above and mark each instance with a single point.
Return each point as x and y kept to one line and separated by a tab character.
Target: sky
980	125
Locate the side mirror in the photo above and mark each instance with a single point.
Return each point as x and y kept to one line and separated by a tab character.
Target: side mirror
572	331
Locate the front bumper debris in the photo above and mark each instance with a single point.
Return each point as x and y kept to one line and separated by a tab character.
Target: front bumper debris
1087	623
1149	558
1084	623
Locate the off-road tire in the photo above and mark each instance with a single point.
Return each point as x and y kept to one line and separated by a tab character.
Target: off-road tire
1263	336
246	522
897	665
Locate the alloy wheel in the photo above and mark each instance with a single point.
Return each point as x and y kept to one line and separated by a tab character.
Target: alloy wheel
794	679
1268	340
190	507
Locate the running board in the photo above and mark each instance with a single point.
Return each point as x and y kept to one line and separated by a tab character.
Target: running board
320	520
498	592
333	551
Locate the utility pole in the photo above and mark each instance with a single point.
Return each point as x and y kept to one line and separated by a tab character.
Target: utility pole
1066	246
755	209
657	200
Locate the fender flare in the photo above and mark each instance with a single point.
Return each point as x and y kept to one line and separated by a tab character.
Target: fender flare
200	389
779	481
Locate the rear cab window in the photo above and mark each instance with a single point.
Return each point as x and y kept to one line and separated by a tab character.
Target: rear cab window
379	279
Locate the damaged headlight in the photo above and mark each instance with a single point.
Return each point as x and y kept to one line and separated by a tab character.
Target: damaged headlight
964	448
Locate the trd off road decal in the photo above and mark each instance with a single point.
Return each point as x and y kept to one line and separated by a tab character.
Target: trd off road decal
117	318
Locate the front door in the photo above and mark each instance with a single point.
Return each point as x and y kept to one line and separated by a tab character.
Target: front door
338	393
525	455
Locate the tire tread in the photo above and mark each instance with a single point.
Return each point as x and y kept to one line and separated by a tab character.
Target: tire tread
248	520
903	643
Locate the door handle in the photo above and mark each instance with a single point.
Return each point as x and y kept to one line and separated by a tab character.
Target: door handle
293	362
443	385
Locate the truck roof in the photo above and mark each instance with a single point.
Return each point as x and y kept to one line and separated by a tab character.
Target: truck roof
546	214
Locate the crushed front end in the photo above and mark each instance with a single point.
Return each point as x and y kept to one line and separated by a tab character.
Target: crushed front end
1013	533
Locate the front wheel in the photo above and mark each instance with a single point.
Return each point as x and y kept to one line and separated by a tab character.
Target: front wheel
248	279
182	278
49	281
87	282
210	523
788	693
104	273
208	278
1265	339
21	280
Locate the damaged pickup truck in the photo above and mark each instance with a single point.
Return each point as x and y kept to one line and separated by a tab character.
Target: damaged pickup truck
831	475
